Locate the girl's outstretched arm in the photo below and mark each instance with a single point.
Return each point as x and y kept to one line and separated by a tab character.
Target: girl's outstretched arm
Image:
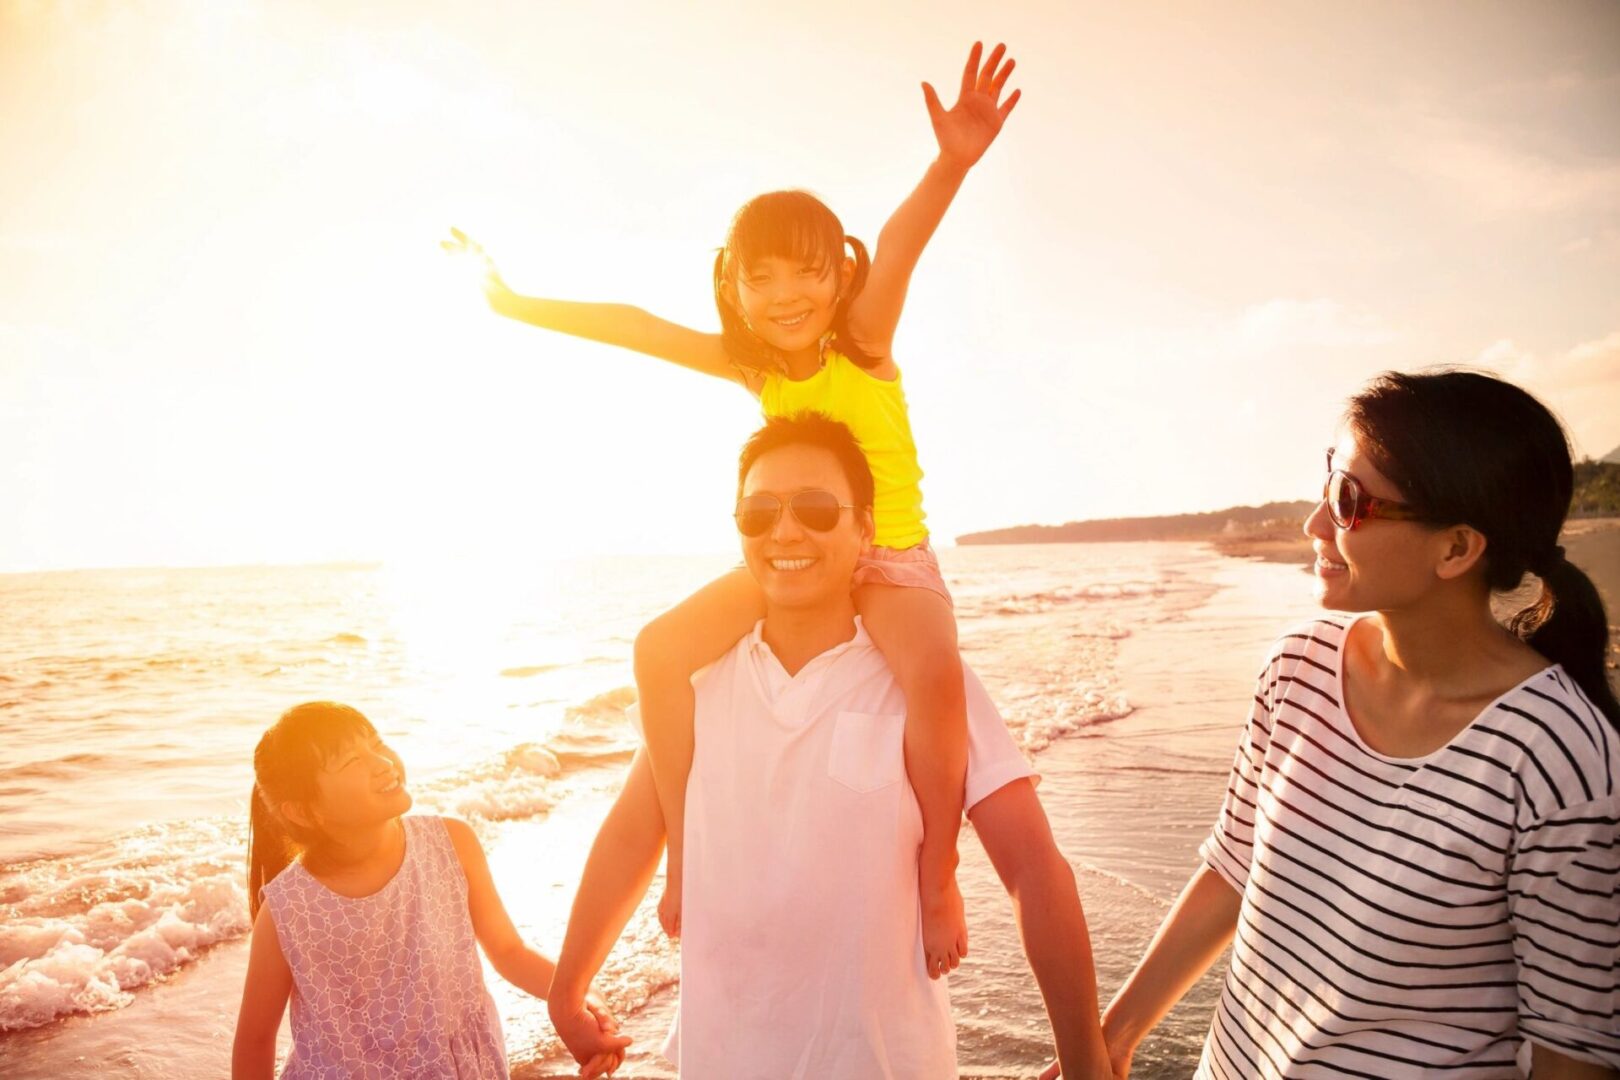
964	133
264	999
510	955
612	324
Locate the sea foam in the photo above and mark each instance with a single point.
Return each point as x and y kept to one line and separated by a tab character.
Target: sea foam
64	955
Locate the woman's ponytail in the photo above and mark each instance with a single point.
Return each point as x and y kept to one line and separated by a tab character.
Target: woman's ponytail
1568	626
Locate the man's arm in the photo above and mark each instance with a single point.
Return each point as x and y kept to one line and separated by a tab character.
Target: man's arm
1013	828
621	865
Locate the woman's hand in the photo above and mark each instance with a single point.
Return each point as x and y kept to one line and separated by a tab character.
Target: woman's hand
495	289
967	129
1121	1047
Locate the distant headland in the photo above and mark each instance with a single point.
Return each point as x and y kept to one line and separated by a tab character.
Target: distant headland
1271	530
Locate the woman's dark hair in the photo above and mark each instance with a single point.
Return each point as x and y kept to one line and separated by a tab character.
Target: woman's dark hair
790	225
1470	449
285	764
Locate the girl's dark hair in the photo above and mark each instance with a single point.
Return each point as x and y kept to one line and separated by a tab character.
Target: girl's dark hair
791	225
285	764
1470	449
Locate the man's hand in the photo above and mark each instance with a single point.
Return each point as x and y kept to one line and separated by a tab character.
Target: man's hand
967	129
591	1035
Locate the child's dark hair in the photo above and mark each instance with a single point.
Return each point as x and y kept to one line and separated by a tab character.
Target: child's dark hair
792	225
811	429
285	763
1471	449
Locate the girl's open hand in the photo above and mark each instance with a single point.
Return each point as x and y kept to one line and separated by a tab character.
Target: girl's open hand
967	129
462	244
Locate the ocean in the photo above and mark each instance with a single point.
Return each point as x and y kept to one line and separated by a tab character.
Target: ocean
130	702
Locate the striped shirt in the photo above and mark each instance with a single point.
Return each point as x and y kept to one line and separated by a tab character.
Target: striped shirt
1406	915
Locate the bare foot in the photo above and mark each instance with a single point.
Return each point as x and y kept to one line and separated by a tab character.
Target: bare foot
944	928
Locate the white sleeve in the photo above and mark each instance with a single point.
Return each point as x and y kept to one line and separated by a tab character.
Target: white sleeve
994	759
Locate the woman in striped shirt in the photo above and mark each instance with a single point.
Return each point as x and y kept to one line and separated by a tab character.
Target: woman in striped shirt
1416	862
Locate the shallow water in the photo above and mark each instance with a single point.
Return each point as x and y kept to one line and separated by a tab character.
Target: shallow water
133	700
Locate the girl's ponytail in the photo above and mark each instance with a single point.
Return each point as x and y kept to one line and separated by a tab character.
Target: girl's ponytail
269	848
841	334
1568	626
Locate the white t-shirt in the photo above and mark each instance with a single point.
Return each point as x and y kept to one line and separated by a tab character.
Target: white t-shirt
1416	916
801	946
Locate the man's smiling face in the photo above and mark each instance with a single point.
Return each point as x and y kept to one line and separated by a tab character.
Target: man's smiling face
799	567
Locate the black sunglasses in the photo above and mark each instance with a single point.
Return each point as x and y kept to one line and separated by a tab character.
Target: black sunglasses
815	509
1349	506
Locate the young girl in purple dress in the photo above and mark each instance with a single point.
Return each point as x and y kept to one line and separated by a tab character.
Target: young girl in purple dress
367	919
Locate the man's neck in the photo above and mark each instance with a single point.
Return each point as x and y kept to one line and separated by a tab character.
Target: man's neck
799	635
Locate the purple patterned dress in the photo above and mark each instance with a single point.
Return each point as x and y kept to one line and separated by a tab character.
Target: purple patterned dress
389	985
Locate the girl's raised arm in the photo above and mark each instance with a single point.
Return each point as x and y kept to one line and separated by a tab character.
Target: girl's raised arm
964	133
612	324
264	999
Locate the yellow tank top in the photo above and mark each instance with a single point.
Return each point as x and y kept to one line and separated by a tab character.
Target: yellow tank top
875	410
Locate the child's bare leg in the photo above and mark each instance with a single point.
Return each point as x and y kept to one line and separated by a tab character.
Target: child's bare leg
916	631
669	651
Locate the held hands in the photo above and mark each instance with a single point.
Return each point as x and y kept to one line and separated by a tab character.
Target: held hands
968	128
1054	1071
1120	1052
495	289
592	1036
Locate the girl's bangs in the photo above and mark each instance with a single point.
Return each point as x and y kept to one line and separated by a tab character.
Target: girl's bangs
305	740
338	730
788	225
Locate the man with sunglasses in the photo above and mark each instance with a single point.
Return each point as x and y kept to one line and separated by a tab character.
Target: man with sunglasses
801	940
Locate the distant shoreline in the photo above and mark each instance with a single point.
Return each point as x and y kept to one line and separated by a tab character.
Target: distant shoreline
1593	544
1271	530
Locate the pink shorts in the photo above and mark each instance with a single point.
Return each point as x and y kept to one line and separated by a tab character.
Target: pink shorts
909	568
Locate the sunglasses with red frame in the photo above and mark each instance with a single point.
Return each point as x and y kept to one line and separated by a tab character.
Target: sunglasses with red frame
1349	506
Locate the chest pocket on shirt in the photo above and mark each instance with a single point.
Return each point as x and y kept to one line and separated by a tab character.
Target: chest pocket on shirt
868	750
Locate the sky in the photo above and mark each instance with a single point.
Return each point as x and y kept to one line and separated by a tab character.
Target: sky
227	333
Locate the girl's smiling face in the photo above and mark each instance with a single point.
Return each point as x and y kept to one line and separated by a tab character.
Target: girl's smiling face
362	784
789	303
